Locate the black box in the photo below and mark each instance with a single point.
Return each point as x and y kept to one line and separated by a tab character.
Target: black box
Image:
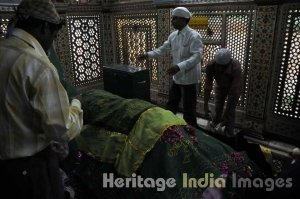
127	81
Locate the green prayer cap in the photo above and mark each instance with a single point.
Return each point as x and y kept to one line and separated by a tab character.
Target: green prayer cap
39	9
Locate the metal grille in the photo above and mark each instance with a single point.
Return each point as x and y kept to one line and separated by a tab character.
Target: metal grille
287	101
85	48
136	35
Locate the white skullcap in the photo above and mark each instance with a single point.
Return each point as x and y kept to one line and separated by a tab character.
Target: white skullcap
223	56
181	12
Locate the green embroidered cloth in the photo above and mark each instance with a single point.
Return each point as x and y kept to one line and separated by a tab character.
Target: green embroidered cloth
131	138
127	152
109	111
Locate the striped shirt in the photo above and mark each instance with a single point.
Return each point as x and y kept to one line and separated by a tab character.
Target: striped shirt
186	48
34	106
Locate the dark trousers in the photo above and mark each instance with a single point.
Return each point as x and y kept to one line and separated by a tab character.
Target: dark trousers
35	177
228	118
189	101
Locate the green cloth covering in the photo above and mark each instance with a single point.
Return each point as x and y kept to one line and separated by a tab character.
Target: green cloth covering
159	145
147	130
207	157
112	112
127	152
101	144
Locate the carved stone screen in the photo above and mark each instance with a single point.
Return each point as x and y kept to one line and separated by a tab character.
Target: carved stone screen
85	49
287	101
284	99
3	26
4	19
136	34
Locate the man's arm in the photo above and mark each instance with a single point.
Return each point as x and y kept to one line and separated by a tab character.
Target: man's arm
157	52
61	121
208	87
166	47
236	84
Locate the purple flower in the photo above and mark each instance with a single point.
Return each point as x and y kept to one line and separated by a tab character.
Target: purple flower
237	157
172	135
224	168
191	132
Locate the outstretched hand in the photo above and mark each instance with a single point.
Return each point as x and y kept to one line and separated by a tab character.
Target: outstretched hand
141	57
173	70
62	149
207	113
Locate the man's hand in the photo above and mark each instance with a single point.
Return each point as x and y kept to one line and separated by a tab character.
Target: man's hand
62	149
141	57
207	111
76	101
78	97
173	70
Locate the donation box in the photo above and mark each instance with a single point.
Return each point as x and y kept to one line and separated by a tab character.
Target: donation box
127	81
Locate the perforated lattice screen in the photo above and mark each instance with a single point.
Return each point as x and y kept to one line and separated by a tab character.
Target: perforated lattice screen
212	37
3	26
85	48
214	32
237	32
136	35
287	101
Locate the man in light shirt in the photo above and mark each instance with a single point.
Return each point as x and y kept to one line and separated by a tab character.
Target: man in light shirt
185	45
35	109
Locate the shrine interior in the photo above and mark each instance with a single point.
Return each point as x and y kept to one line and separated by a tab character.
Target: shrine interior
263	35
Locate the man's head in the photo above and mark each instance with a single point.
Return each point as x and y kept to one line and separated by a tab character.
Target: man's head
180	17
223	56
39	18
39	9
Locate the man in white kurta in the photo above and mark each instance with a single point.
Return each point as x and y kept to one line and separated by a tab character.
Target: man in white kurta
186	48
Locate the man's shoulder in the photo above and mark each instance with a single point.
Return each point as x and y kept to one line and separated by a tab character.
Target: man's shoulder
175	32
236	64
2	40
209	67
193	31
210	64
29	56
